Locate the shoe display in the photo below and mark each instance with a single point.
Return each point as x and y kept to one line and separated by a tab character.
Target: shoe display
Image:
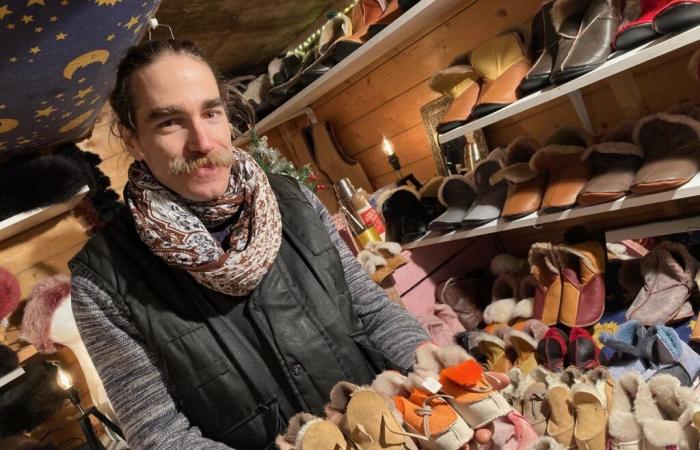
502	63
490	198
457	194
639	30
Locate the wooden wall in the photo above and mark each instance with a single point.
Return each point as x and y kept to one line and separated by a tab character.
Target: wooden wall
385	98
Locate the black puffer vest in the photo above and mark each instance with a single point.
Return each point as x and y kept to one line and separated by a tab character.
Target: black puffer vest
239	367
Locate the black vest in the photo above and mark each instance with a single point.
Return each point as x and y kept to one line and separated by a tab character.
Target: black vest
240	367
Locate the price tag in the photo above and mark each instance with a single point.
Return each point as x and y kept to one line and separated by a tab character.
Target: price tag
431	385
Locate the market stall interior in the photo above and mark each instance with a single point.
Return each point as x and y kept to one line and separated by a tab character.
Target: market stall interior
522	177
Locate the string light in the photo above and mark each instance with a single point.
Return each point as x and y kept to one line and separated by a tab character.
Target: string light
303	47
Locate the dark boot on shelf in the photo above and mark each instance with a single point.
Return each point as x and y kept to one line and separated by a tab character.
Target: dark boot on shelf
587	46
639	30
677	15
544	47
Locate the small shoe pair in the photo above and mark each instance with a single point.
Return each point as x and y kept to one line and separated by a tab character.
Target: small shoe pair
381	259
557	350
358	417
513	298
655	18
570	282
657	414
499	63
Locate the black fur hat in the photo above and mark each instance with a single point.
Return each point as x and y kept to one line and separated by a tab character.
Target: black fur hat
8	360
31	402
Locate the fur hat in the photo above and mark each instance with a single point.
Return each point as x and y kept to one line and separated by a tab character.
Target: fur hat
45	298
9	293
8	360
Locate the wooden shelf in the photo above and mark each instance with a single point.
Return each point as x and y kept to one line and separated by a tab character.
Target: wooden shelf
690	189
618	63
26	220
412	22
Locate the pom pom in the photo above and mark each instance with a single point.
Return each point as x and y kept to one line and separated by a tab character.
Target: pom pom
9	293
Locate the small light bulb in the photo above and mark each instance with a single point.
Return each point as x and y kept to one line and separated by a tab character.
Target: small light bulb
387	146
63	379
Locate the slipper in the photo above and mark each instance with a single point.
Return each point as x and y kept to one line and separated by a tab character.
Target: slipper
591	417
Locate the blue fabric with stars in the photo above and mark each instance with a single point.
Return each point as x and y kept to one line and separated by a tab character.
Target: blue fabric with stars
58	62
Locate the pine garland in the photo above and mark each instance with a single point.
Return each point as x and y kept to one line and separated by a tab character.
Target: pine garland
272	161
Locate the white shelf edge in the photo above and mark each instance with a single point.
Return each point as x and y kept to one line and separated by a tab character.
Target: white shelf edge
408	24
661	46
9	377
26	220
690	189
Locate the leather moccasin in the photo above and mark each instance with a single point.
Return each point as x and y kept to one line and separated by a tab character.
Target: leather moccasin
545	268
552	350
502	63
525	186
583	283
461	84
669	278
639	30
614	164
671	146
599	21
364	14
490	198
560	159
543	45
456	194
562	417
582	351
677	15
590	431
308	432
462	295
402	214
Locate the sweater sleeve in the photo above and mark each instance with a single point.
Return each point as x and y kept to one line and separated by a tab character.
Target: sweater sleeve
145	410
391	328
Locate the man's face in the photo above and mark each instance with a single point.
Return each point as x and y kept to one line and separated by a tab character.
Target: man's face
182	132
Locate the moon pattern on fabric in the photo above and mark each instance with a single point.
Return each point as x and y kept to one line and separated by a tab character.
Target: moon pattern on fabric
76	122
7	125
83	60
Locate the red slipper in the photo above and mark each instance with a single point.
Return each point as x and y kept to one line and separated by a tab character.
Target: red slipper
640	30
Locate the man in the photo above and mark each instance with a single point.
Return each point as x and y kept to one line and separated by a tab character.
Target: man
221	301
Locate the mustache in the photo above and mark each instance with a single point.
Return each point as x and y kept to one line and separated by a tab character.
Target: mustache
180	166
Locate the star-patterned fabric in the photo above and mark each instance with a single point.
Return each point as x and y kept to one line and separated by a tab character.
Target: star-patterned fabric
58	62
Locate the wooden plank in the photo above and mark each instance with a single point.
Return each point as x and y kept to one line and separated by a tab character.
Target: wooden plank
52	265
410	146
423	169
390	119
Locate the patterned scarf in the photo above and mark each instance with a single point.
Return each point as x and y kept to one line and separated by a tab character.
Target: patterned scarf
176	230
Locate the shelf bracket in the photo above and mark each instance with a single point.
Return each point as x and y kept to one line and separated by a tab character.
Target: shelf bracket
579	105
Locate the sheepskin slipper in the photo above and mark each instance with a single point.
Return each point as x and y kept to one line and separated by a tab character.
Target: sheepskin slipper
489	199
582	352
560	159
375	265
457	194
429	198
493	348
561	415
666	353
9	293
461	295
43	301
545	268
671	145
621	353
591	417
669	279
614	163
308	432
552	349
403	215
391	251
625	432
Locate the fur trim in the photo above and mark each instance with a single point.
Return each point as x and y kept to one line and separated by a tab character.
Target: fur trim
451	179
431	188
515	173
45	298
624	341
574	136
665	117
393	248
427	363
453	80
589	389
476	338
525	308
670	396
570	376
497	155
10	293
545	376
499	311
521	150
518	384
536	328
466	374
670	340
391	383
597	374
452	355
582	256
515	334
298	425
504	263
385	195
613	148
546	443
340	395
538	252
622	424
542	160
370	261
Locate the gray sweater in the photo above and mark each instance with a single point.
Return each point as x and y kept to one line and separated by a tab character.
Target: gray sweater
133	379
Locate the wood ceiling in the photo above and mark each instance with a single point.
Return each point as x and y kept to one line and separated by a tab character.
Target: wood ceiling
242	36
